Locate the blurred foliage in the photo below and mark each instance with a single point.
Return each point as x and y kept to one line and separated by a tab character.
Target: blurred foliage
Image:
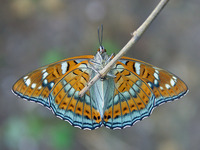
111	47
18	131
51	56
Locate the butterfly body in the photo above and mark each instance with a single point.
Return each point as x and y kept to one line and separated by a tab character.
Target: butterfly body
127	94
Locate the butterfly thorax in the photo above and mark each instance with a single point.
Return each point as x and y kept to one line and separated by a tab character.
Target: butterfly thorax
100	88
100	60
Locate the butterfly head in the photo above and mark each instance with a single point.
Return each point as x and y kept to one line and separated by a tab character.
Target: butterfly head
101	58
101	50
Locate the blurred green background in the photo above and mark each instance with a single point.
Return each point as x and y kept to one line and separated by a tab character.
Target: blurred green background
38	32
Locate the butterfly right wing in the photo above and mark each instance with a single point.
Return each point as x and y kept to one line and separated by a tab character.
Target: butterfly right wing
139	87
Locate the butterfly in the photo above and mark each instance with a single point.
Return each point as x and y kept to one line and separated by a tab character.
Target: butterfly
127	94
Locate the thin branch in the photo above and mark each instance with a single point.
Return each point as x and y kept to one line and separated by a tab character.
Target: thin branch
135	36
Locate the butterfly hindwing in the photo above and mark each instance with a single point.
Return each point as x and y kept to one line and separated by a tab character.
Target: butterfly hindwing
133	99
65	102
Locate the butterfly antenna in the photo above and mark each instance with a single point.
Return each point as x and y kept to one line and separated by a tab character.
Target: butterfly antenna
100	35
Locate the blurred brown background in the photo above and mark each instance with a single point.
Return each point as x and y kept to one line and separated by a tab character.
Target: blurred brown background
37	32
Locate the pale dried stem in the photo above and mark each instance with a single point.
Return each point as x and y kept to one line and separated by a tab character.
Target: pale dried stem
135	36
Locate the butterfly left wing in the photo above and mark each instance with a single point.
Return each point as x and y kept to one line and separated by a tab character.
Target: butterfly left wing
57	86
36	85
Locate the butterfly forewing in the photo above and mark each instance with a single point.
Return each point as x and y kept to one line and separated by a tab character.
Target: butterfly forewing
36	85
165	85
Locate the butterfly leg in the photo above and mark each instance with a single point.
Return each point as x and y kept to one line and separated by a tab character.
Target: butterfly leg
109	59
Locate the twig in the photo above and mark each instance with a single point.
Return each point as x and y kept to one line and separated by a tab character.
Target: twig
135	36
